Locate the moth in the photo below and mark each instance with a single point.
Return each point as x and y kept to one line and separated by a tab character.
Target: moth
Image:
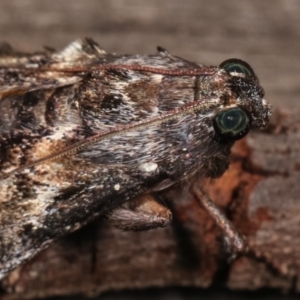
84	133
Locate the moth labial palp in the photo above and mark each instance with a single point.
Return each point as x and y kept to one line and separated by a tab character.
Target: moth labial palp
140	213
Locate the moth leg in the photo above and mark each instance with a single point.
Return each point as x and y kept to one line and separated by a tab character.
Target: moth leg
234	241
141	213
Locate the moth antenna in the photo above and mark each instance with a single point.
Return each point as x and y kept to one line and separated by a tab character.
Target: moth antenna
234	241
204	71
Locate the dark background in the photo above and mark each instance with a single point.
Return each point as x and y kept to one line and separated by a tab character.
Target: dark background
264	33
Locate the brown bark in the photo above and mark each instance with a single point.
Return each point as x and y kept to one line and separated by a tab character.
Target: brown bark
260	192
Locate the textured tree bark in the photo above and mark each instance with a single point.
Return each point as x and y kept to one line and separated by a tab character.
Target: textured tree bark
259	193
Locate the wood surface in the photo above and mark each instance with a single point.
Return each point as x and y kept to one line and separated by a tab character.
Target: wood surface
260	192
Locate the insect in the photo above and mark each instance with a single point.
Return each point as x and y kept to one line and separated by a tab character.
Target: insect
84	133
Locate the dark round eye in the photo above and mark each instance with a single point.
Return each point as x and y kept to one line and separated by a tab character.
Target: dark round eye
238	66
232	123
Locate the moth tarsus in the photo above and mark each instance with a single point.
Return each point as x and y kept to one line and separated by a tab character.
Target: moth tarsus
84	133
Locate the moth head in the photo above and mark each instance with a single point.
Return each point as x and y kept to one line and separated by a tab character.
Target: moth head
246	108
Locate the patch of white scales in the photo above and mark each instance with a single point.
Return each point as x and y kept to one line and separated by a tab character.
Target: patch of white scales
148	167
76	51
117	187
62	131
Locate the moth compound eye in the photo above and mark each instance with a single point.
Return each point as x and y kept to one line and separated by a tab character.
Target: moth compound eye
237	65
232	124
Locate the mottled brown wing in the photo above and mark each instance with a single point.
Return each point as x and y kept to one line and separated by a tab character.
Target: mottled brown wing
44	111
